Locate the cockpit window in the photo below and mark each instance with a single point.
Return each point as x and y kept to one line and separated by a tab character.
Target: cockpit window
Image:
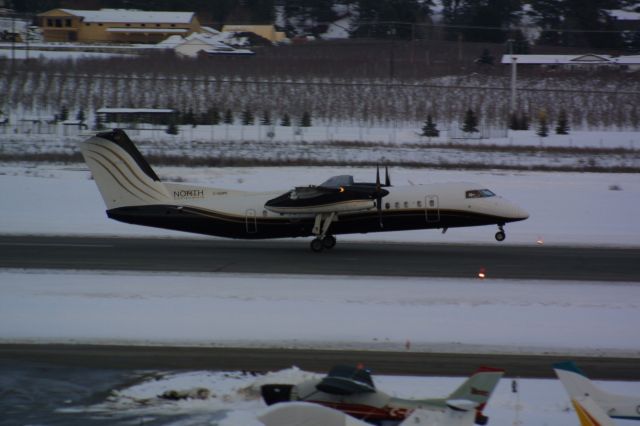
479	193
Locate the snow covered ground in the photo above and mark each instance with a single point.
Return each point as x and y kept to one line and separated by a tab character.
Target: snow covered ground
433	314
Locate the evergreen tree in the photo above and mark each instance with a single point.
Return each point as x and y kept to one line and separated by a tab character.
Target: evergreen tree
228	117
430	129
473	14
485	58
172	128
543	125
189	118
265	120
246	117
470	123
64	113
379	17
80	115
305	120
286	120
213	116
573	15
563	123
519	121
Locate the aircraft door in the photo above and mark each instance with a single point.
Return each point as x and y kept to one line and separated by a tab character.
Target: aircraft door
250	221
432	208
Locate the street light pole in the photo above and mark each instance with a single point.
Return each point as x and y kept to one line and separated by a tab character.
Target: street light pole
513	77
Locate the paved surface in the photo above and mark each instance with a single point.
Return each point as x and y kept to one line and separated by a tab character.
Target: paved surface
397	363
294	257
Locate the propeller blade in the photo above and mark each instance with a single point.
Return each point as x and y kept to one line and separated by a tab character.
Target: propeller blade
387	178
378	195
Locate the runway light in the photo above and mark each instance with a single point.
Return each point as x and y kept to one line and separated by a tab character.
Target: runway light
482	273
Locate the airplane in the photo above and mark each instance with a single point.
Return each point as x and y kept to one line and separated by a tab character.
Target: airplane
578	386
458	413
351	390
133	193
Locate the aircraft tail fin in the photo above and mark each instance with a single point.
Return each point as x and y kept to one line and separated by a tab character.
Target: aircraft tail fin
123	176
576	382
479	387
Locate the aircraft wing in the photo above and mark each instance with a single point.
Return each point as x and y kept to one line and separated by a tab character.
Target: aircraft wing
306	414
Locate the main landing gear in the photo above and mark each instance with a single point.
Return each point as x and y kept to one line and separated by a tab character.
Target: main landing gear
320	229
500	235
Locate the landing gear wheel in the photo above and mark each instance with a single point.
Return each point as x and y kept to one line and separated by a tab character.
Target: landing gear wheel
317	245
329	242
500	236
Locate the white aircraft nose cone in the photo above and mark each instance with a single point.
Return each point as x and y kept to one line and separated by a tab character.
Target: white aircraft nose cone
520	213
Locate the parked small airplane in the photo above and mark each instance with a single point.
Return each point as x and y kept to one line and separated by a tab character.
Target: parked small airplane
579	388
133	193
459	413
352	391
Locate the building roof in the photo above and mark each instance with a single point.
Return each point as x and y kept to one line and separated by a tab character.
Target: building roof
132	16
146	30
134	110
587	59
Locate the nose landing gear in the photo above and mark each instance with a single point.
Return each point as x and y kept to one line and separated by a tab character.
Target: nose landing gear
500	235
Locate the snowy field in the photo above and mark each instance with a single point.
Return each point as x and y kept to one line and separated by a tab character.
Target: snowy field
433	314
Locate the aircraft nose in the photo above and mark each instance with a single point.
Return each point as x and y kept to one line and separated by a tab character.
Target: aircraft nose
518	213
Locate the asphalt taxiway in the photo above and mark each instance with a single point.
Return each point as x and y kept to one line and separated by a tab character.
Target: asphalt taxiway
294	257
273	359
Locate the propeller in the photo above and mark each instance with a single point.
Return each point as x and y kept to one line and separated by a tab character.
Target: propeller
387	178
379	194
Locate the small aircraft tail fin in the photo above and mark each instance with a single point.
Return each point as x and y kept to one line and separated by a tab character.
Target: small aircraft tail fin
589	413
576	382
123	176
479	387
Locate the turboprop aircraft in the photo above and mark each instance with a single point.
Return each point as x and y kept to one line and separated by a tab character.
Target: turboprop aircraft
133	193
352	391
579	387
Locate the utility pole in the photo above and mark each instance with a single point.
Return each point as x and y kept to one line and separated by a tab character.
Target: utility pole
392	34
513	76
13	39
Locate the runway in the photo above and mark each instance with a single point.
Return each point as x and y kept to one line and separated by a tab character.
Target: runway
263	360
294	257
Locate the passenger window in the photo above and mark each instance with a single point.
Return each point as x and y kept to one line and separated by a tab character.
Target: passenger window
397	205
264	213
387	206
432	203
406	204
419	203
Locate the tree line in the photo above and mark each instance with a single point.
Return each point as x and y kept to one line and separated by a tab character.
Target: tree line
575	23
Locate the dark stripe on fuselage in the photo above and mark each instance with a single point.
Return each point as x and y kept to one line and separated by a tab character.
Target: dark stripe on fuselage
209	222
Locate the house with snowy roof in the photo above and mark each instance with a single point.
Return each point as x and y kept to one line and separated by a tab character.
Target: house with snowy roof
631	62
115	25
